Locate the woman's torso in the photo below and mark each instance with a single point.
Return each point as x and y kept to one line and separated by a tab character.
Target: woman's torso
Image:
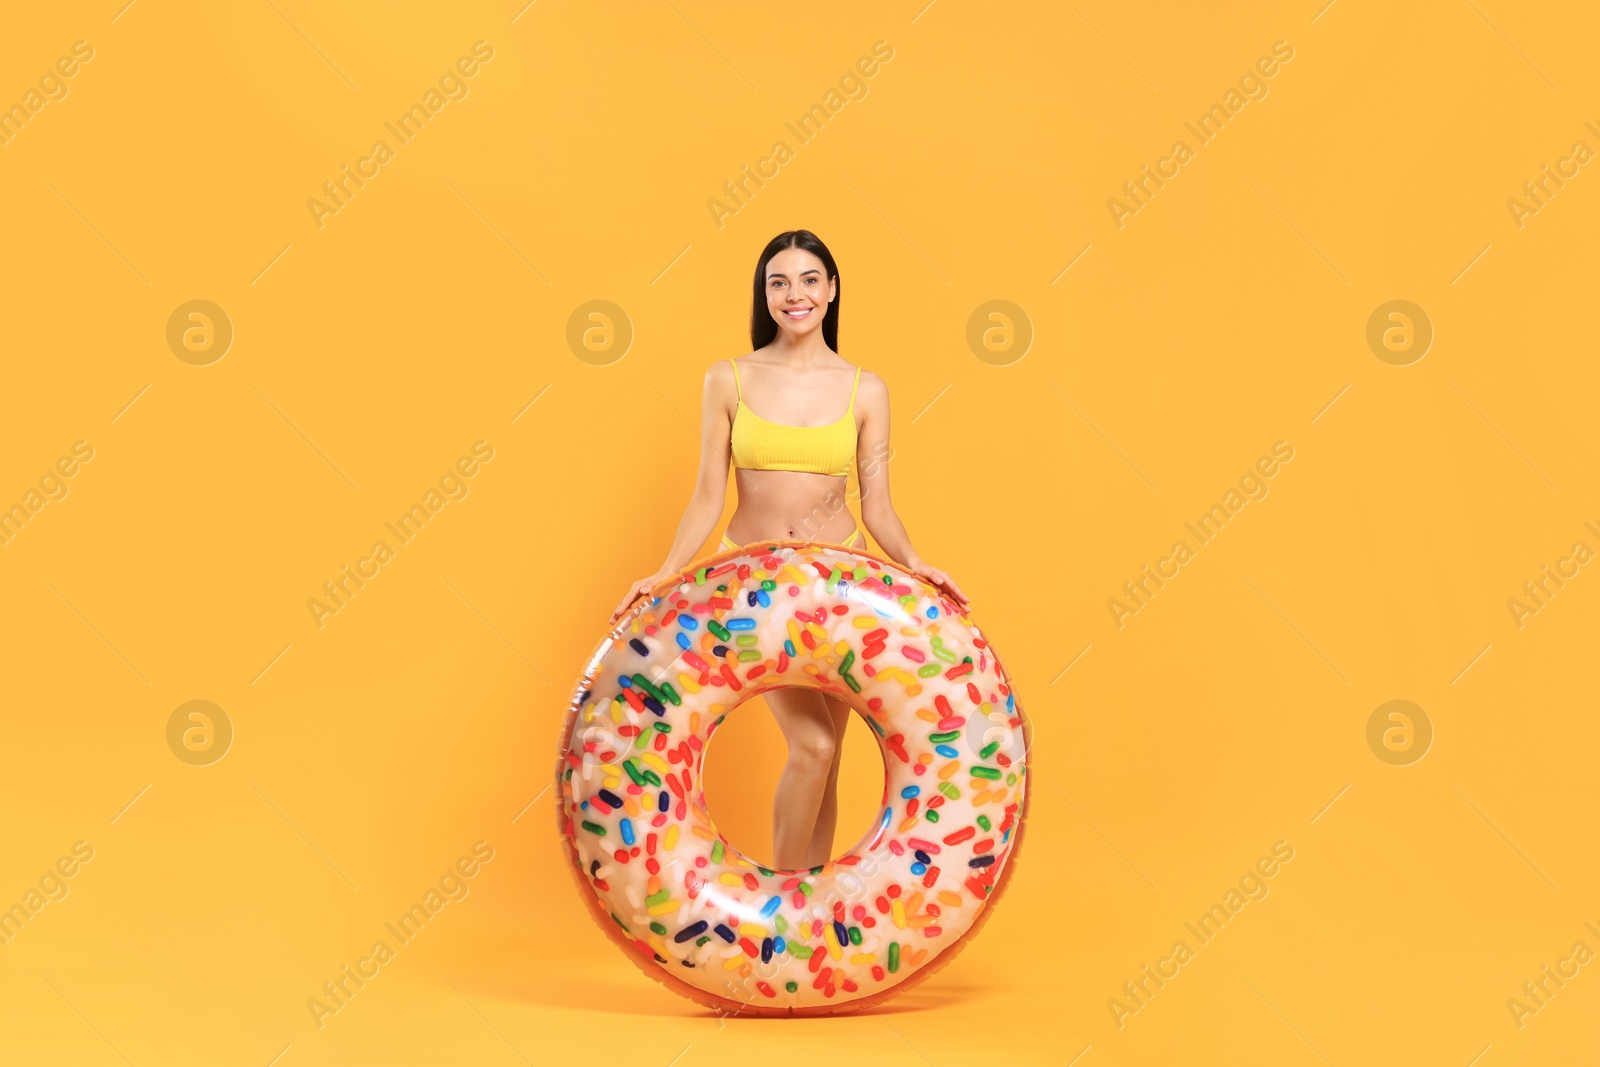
792	459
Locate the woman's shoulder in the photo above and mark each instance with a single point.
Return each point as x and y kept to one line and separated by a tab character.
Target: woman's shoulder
871	384
723	377
732	370
744	359
725	365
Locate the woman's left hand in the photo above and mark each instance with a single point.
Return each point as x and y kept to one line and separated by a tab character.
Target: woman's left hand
935	576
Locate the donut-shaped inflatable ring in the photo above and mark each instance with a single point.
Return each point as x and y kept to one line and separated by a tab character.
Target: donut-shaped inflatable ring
710	923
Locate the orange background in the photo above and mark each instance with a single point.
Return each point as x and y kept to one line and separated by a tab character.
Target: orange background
1229	313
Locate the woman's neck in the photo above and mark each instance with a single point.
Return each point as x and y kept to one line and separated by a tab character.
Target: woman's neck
809	351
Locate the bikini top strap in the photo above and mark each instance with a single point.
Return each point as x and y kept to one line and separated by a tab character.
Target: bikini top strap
853	389
737	388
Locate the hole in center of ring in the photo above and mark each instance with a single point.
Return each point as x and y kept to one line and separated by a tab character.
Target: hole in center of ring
794	777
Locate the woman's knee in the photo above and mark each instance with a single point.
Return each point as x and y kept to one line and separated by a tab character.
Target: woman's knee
814	749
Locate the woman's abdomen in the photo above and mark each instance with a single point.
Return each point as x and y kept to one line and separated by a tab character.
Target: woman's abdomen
790	505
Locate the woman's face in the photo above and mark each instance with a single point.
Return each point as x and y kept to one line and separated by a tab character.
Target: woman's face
798	290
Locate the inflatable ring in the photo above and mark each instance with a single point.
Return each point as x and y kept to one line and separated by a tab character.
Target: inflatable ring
710	923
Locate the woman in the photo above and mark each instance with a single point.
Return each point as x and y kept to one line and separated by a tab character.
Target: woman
792	469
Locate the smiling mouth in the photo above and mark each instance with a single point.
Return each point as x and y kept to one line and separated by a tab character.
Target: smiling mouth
799	313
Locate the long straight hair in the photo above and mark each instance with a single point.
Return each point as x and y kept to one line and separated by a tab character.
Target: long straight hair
762	326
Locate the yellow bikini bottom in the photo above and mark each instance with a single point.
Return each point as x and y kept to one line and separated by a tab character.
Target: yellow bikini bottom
850	542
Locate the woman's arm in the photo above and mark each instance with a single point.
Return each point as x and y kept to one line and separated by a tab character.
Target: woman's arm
872	471
711	483
710	487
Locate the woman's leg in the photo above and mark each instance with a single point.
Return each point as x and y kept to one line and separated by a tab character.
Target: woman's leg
807	724
820	848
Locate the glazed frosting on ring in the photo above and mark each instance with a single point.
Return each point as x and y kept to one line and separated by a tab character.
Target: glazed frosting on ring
712	923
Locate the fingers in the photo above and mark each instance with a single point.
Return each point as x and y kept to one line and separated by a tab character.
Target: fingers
640	588
627	602
939	578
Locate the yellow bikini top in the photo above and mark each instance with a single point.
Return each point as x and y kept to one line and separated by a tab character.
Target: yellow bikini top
773	446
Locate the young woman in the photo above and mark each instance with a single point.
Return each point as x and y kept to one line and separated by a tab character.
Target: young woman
792	464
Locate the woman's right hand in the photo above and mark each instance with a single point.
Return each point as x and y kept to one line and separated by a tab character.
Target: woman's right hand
639	589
